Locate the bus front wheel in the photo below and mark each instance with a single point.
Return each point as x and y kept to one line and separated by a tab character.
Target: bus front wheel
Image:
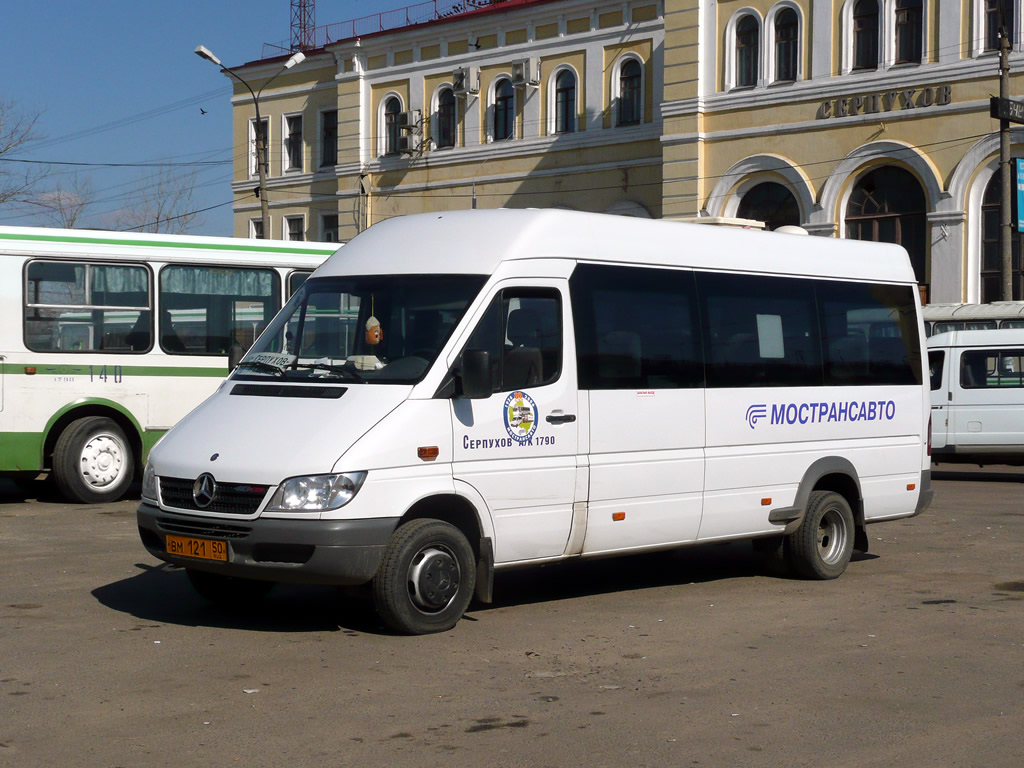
92	461
426	579
821	547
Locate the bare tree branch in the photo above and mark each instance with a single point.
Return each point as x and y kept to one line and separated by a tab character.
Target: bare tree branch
164	202
16	131
65	203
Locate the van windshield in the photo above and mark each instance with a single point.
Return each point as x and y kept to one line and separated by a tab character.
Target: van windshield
379	328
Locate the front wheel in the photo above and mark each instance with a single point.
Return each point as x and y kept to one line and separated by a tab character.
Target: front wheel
426	578
93	461
821	547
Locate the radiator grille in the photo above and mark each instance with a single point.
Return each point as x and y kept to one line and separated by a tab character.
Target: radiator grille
203	528
229	498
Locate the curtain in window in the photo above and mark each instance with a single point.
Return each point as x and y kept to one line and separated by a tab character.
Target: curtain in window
217	281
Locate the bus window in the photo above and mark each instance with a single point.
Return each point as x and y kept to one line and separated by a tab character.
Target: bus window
936	359
205	310
295	280
83	307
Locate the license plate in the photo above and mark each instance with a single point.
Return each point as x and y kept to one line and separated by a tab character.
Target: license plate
204	549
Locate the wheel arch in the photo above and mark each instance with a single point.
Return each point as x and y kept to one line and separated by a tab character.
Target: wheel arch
85	407
829	473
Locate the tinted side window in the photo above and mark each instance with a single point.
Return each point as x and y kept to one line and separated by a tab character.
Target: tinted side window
871	333
522	332
936	360
635	328
990	368
205	310
759	331
82	307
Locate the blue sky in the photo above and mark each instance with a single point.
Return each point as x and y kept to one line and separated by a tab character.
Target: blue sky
116	81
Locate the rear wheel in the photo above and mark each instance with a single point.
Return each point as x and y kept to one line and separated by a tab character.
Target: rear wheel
93	461
426	579
821	547
228	591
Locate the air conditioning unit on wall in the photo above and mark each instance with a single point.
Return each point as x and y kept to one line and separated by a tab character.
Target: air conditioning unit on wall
466	80
526	72
410	143
408	121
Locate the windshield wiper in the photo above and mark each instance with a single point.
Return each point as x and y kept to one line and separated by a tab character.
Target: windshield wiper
339	369
259	365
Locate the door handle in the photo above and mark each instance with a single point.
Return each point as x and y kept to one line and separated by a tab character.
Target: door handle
564	418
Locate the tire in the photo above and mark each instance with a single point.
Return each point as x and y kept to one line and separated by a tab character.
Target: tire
821	547
426	578
228	591
93	461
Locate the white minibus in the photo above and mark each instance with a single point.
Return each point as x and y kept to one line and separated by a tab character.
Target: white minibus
108	338
528	386
977	385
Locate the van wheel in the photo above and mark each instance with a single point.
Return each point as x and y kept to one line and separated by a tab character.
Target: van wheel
426	578
92	461
821	547
228	591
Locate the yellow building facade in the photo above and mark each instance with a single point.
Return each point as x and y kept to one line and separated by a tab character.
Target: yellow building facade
851	118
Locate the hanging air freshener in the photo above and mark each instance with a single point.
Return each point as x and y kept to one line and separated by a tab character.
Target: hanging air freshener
374	333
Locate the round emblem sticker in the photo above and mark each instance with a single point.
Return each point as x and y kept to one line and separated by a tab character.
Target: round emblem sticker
520	416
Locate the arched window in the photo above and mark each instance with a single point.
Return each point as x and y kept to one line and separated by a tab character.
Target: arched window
865	34
392	108
991	256
565	102
445	118
888	206
993	10
630	100
787	45
747	51
908	31
504	110
771	203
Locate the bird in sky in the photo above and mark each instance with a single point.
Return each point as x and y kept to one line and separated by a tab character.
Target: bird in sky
202	111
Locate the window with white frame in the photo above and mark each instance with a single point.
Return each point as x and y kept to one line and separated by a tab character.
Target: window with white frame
996	13
503	105
329	227
256	228
293	142
865	34
328	138
563	106
388	131
628	90
784	44
295	227
445	125
743	41
256	138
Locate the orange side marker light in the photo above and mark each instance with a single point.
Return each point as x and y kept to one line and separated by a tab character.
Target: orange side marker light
616	516
427	452
766	502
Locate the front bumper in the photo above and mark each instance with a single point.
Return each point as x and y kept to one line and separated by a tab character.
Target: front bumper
340	552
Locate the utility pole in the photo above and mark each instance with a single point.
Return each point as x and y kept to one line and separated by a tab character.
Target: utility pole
1005	225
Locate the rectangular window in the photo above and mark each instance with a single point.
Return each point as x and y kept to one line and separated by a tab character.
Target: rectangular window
295	226
84	307
870	333
255	139
936	359
990	368
328	138
256	228
759	331
636	328
522	332
206	310
293	143
329	228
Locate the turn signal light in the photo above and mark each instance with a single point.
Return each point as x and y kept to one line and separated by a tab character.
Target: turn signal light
427	452
766	502
616	516
30	370
911	486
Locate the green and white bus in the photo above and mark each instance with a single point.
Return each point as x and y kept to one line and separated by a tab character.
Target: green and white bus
107	339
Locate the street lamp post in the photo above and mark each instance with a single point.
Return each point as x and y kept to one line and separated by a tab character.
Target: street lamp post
261	145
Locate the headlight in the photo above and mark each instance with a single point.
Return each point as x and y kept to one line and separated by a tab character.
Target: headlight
316	493
149	483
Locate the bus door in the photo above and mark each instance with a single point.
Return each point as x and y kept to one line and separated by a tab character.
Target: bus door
941	393
518	447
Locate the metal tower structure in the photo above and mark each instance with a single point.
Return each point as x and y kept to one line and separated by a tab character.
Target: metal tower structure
303	25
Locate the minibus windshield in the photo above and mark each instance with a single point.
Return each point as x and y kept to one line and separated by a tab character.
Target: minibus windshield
371	328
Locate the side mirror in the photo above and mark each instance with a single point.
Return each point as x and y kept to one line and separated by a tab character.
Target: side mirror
235	355
476	374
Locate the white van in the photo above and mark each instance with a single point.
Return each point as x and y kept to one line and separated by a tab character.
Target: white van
528	386
977	385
